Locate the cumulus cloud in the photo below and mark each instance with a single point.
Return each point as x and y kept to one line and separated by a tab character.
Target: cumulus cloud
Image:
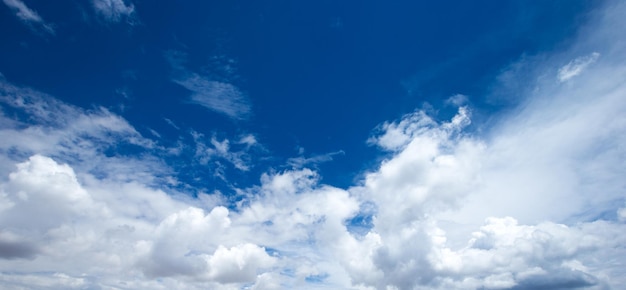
397	135
56	218
28	16
238	264
543	162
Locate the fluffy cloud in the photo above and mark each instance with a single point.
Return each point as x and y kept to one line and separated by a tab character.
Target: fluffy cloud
48	217
557	158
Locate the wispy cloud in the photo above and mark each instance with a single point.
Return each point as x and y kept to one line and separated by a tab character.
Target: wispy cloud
220	95
576	66
301	161
63	131
240	158
114	10
28	16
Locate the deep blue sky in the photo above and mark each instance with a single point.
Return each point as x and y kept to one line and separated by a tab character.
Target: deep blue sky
319	75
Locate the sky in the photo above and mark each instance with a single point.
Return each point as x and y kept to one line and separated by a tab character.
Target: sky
312	144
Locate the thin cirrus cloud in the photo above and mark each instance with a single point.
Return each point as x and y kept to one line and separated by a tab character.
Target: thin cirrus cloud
302	161
114	10
219	96
576	66
28	16
535	201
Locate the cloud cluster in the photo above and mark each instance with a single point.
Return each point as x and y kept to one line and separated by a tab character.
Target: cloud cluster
116	235
49	127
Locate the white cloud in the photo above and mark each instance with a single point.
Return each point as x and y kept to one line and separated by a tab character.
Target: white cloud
28	15
123	230
238	264
397	135
63	131
576	66
249	140
218	96
215	149
114	10
621	214
554	165
301	161
457	100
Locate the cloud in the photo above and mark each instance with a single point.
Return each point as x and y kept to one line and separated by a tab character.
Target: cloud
556	158
576	66
215	149
621	214
238	264
301	161
106	230
397	135
13	247
56	129
215	93
218	96
28	16
457	100
114	10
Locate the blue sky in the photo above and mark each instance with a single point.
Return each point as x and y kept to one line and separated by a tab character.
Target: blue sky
325	144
